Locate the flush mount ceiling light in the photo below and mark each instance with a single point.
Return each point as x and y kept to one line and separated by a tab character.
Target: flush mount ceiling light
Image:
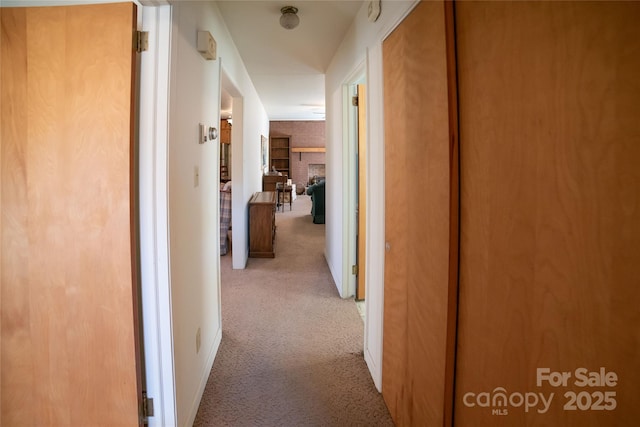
289	19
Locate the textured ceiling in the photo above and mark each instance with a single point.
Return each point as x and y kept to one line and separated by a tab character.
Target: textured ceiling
287	67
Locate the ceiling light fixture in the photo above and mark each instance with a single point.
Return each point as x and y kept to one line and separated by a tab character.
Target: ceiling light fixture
289	19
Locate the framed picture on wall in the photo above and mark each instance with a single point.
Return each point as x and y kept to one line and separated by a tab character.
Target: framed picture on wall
264	146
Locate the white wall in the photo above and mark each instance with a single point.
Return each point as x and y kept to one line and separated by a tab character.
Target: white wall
248	127
363	42
194	210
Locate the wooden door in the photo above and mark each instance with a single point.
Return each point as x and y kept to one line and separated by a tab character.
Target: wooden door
362	192
420	220
550	211
68	341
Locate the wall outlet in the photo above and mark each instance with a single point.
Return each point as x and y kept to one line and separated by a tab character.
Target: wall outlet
198	340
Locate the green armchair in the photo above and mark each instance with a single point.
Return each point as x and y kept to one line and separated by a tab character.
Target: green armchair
316	191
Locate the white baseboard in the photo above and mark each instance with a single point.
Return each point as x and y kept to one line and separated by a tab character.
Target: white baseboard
204	378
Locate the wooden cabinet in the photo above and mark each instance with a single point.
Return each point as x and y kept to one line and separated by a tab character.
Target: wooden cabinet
225	132
279	155
225	151
262	225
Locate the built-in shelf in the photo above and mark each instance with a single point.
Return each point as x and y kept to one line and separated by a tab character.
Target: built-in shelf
308	149
301	150
279	158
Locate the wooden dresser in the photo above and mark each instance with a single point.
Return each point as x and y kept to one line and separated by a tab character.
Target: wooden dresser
262	225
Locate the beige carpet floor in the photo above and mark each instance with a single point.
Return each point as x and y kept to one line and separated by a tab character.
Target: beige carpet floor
291	350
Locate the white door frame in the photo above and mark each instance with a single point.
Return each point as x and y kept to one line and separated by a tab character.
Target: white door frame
375	211
350	191
155	276
240	253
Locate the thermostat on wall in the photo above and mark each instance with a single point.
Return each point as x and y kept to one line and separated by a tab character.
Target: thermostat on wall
206	45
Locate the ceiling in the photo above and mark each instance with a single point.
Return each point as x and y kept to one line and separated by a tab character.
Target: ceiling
287	67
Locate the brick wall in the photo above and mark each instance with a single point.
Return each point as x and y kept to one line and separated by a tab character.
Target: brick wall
303	134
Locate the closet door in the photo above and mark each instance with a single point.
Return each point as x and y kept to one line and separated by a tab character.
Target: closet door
550	213
420	221
68	342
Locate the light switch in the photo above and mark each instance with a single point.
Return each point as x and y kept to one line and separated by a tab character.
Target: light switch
203	136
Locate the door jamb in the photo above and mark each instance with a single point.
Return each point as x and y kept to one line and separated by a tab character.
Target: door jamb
154	209
350	136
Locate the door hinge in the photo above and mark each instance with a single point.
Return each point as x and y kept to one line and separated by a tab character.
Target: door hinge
354	270
354	101
147	406
141	42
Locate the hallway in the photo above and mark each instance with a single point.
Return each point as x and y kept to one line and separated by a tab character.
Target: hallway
291	351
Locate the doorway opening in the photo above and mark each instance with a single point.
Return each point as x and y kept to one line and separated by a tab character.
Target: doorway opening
354	163
231	168
225	144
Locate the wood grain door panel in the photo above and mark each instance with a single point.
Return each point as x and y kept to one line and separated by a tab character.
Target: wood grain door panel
417	219
68	283
550	199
